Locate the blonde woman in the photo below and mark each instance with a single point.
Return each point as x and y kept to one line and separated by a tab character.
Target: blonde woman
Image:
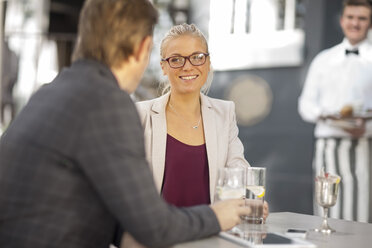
189	135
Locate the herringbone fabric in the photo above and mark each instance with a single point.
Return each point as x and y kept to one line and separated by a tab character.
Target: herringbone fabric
72	165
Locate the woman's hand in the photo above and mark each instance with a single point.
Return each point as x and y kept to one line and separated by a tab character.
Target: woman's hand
265	210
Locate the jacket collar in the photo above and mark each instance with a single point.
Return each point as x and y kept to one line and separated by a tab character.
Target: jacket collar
159	106
159	139
347	45
361	46
101	70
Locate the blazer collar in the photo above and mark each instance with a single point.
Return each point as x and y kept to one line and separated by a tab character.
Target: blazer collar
210	133
205	102
99	69
361	46
161	103
159	139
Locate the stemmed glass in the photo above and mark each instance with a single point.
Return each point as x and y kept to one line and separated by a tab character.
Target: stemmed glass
326	191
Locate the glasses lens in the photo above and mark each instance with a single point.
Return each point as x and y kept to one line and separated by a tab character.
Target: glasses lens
197	59
176	61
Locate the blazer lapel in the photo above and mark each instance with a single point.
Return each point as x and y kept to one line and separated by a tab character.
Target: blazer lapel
159	139
210	132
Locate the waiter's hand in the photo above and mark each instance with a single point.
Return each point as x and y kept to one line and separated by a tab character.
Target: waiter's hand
359	130
331	117
228	212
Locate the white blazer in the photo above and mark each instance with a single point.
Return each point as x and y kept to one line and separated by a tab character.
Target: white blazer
224	148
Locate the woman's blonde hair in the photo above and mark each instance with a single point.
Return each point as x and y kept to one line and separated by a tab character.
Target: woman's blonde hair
177	31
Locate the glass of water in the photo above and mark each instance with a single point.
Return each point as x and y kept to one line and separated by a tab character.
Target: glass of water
230	183
255	194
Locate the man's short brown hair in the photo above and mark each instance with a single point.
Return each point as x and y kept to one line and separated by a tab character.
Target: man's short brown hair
109	30
365	3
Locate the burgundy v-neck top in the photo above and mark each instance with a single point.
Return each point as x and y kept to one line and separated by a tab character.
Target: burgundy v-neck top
186	174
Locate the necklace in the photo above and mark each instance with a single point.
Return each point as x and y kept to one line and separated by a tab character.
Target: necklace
175	111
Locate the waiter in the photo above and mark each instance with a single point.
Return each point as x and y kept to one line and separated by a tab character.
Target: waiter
338	86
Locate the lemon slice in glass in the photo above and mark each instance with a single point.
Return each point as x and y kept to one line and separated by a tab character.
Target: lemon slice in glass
258	191
338	180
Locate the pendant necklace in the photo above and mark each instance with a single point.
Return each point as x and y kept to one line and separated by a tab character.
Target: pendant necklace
174	110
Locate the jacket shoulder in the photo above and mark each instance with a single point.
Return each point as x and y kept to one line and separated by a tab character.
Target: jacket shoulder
145	105
219	103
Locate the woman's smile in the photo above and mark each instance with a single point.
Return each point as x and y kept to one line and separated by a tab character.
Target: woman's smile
188	77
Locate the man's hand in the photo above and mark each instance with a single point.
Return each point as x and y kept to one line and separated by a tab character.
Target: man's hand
359	130
355	132
127	241
228	212
330	117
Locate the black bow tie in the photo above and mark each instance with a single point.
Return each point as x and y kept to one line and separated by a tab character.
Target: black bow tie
355	51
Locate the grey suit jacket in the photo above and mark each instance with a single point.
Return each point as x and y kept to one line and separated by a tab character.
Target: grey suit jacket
224	147
72	165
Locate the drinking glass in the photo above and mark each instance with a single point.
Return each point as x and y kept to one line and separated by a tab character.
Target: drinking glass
326	191
255	194
230	183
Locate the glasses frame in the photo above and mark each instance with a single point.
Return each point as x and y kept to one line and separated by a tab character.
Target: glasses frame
186	58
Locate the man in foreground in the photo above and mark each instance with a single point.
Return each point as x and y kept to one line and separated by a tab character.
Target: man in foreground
72	164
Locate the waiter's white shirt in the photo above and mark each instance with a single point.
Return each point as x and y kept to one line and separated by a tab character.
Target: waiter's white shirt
335	80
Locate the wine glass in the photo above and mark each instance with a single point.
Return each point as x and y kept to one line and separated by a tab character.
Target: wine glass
326	191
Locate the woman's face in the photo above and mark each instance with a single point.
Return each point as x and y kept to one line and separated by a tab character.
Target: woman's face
188	78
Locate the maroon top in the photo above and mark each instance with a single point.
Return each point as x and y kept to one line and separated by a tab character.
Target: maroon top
186	174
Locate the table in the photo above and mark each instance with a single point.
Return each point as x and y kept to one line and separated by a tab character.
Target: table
348	234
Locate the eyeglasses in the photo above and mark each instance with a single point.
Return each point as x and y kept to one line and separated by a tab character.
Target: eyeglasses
195	59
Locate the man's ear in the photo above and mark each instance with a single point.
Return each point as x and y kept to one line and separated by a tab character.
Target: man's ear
144	49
